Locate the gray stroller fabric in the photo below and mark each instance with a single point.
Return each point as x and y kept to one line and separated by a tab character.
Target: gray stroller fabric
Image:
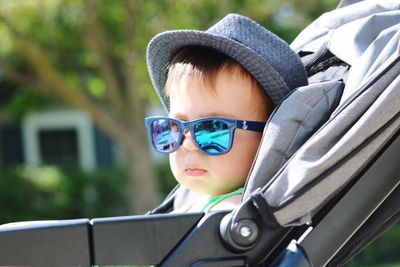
366	36
291	124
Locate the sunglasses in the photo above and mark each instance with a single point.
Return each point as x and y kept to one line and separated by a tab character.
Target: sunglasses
212	135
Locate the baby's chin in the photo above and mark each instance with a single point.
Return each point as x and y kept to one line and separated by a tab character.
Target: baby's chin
200	190
199	184
207	193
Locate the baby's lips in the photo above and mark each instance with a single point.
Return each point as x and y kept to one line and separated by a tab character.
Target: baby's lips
195	172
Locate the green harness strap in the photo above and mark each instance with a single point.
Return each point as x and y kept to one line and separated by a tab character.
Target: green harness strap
217	199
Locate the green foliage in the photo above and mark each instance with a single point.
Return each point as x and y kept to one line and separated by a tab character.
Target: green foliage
61	29
384	250
24	101
51	193
48	192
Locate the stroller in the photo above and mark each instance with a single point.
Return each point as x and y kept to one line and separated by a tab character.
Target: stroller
324	184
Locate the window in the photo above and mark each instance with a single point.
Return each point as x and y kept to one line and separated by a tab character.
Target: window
59	147
63	138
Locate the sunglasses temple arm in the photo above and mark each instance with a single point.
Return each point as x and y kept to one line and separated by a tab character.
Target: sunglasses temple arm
256	126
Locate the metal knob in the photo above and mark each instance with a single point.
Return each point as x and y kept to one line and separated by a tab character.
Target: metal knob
245	232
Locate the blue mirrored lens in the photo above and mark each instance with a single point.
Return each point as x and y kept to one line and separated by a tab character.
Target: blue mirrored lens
212	136
165	135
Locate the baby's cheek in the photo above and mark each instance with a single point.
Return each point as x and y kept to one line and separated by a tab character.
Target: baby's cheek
174	165
232	172
243	154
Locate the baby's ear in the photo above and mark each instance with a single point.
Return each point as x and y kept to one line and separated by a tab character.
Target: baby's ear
228	204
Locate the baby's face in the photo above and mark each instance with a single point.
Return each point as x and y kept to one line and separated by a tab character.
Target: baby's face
234	97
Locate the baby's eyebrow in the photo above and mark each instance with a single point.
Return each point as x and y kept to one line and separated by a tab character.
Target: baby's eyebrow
184	117
217	114
179	116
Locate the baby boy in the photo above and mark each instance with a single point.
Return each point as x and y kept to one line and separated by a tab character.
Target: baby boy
219	87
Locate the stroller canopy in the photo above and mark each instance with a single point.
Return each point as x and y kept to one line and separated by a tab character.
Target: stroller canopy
362	41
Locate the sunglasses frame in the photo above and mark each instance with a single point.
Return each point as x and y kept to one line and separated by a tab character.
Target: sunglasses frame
233	124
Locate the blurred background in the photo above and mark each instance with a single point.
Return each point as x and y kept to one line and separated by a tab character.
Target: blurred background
74	90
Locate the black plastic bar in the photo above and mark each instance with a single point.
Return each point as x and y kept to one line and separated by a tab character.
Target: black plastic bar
168	240
145	239
45	243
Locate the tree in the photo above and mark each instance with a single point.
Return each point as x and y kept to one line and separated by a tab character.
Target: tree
86	55
91	55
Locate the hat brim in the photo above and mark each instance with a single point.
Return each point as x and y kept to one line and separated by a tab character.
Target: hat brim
162	47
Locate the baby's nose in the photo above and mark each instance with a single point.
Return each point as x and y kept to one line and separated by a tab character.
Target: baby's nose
188	142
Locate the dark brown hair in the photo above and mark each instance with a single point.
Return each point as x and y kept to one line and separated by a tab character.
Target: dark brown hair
205	63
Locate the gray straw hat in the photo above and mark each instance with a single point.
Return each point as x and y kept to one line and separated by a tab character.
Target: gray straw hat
264	55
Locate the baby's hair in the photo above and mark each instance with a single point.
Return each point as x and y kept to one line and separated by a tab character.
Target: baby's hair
204	63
